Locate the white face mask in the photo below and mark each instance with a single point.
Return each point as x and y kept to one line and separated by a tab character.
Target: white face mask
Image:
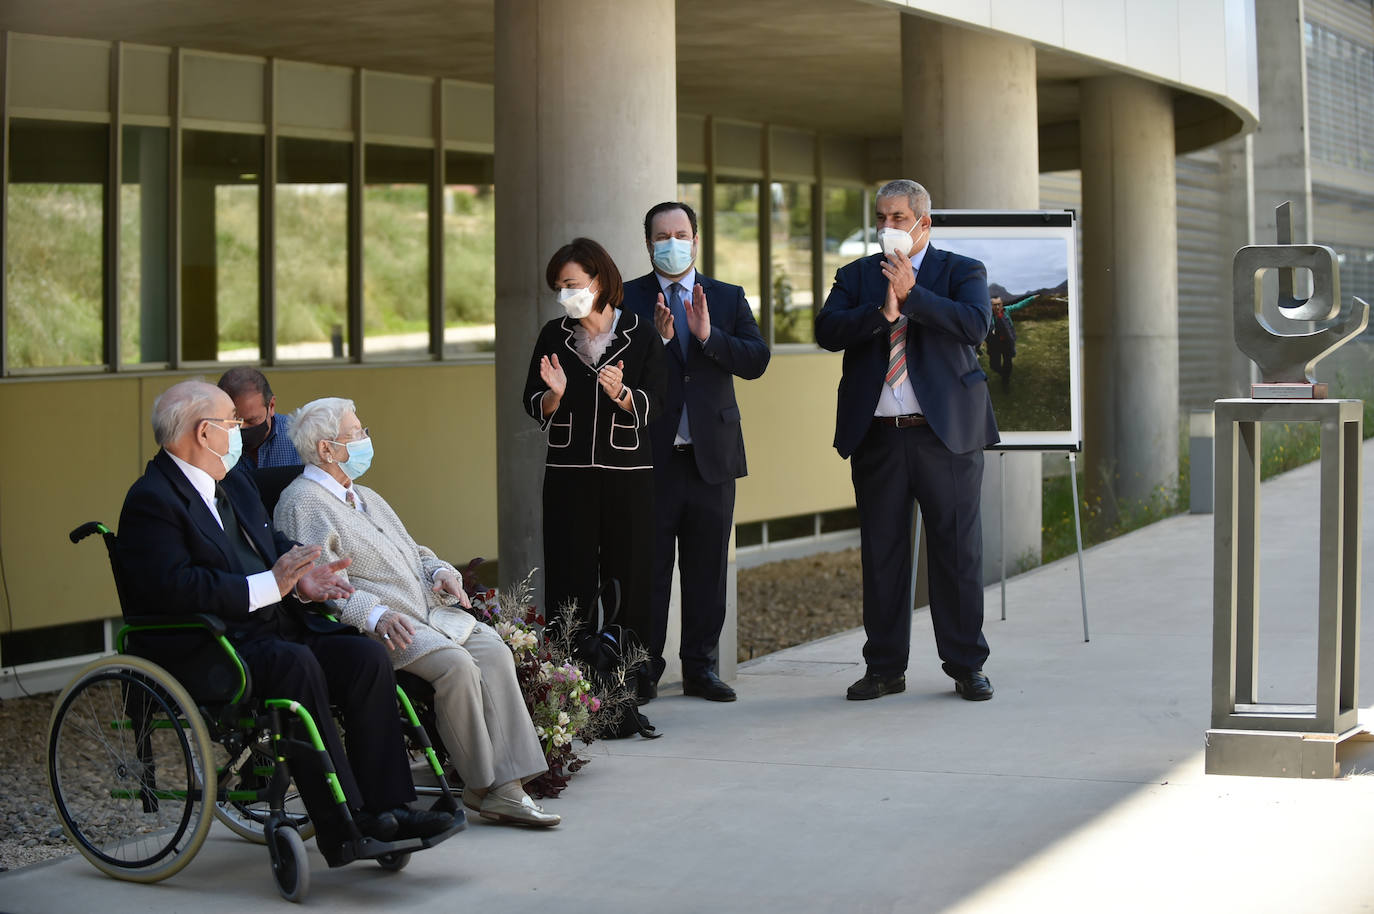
577	302
894	240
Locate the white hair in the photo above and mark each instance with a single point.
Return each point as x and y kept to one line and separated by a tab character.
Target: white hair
317	421
178	408
918	198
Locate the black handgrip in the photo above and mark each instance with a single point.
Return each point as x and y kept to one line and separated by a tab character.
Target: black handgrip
89	528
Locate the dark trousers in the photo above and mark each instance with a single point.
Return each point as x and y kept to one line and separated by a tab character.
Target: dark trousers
694	519
892	470
354	674
598	526
999	360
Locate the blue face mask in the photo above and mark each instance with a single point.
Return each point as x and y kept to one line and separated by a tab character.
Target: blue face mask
673	256
230	457
359	457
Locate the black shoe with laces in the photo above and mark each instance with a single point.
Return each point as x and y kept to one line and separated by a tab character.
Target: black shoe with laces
876	685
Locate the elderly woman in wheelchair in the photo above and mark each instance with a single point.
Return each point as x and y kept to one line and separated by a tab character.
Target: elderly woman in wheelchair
212	594
412	601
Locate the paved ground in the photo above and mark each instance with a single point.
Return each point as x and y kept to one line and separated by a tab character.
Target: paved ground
1078	788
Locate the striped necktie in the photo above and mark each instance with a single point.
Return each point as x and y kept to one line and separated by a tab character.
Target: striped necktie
896	354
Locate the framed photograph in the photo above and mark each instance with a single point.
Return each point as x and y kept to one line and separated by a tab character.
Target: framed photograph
1033	353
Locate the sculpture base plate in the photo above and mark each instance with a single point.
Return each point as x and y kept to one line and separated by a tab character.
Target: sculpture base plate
1279	754
1288	390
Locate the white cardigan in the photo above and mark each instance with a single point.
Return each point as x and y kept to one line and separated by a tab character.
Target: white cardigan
388	566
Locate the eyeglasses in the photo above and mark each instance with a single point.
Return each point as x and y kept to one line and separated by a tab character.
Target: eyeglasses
359	437
225	424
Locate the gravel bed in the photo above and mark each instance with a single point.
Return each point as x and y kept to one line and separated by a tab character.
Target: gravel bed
781	604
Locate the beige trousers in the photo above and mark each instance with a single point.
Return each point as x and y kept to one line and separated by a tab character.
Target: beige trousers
481	714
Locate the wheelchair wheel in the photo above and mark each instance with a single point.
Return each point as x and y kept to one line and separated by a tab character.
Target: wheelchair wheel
129	768
290	865
246	818
393	862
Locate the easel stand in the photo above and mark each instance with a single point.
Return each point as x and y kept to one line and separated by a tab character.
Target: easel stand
1077	529
1276	739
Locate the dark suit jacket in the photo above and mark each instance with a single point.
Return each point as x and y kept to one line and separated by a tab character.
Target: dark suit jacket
588	430
704	384
949	314
175	559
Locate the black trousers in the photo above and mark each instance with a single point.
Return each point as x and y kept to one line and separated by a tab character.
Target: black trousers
893	469
999	360
694	519
353	673
598	525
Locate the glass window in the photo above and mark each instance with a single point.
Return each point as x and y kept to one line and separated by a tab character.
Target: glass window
221	186
844	229
396	252
689	190
54	265
469	253
736	240
312	248
791	268
143	246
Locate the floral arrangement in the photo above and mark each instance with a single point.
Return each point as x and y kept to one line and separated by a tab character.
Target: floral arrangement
566	702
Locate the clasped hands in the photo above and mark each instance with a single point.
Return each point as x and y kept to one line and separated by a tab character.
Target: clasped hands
398	631
698	316
901	279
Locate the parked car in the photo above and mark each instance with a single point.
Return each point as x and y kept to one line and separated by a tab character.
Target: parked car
854	246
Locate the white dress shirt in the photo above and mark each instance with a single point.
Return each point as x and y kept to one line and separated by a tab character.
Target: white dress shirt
262	587
901	400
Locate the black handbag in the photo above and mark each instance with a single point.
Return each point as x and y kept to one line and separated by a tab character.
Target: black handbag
604	648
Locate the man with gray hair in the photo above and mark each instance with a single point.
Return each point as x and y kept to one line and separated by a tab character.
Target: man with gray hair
194	538
913	417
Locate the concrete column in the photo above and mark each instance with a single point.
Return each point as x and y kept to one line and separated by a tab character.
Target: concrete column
1280	144
1130	290
586	142
969	134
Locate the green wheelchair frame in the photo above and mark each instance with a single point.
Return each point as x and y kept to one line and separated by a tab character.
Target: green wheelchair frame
131	764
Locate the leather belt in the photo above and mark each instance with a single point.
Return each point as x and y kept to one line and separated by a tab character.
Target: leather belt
911	420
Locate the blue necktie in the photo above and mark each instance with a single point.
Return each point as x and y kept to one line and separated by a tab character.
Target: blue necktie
680	334
679	316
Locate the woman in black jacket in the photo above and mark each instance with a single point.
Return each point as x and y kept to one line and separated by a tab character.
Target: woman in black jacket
596	379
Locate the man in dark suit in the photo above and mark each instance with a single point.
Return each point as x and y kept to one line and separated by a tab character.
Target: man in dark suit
195	538
913	417
710	336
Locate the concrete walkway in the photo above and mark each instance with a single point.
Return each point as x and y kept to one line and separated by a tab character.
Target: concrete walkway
1080	787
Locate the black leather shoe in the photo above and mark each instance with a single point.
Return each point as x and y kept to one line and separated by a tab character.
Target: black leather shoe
974	686
876	685
420	823
379	825
707	685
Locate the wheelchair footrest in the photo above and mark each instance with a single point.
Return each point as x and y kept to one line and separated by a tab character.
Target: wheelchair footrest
370	848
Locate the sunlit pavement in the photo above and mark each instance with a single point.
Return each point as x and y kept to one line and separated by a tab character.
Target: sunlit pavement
1079	787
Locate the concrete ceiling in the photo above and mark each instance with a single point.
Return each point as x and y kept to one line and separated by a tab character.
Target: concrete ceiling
819	64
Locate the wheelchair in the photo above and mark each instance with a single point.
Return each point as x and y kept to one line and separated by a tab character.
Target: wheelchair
148	747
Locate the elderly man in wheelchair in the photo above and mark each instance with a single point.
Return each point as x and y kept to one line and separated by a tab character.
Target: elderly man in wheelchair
195	542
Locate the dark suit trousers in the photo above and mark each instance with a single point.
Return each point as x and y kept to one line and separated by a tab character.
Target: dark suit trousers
892	470
598	525
353	673
694	519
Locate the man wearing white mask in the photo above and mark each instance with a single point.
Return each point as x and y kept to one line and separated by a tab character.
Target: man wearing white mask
710	337
913	418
